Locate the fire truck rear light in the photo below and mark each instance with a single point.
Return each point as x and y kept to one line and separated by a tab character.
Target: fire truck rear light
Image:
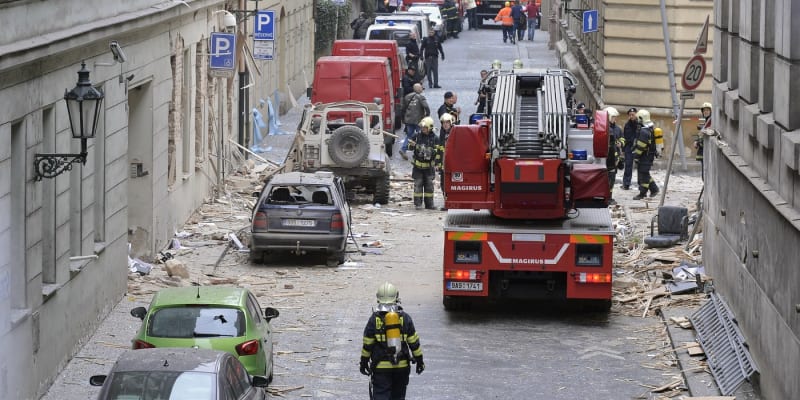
461	274
588	277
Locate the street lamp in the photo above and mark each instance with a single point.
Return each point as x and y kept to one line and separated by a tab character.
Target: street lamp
83	108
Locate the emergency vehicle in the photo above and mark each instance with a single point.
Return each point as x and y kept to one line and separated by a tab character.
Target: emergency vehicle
527	202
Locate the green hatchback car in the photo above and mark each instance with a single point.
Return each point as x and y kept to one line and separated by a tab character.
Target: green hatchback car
210	317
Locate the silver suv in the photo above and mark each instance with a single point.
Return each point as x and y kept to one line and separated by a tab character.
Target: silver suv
345	138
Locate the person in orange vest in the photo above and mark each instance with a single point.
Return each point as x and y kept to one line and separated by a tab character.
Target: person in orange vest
504	16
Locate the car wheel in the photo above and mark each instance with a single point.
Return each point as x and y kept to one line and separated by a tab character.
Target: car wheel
256	257
382	188
335	259
349	146
271	368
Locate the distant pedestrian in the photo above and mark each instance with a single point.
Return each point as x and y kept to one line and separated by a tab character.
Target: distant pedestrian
698	142
393	5
415	108
504	17
360	25
450	15
472	20
629	132
431	50
409	79
483	91
449	107
532	12
519	20
413	52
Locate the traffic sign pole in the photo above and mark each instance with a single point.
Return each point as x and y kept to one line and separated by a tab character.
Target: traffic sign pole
675	137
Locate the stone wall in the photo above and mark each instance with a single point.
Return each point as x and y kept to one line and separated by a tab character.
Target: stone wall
753	198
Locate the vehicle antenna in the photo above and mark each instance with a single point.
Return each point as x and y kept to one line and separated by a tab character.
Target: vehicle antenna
198	291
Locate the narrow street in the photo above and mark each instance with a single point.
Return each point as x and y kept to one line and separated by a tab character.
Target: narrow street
500	351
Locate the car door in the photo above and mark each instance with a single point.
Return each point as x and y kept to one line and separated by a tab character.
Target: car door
263	327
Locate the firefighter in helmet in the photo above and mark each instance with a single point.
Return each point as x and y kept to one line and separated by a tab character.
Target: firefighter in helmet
427	159
698	141
390	344
517	63
616	156
645	151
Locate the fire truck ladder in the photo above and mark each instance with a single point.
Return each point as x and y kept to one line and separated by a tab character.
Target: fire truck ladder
556	115
517	129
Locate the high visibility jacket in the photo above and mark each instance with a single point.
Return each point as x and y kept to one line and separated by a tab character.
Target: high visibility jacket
375	347
504	16
615	144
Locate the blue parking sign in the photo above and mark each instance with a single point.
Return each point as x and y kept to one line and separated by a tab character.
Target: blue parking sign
223	50
590	21
264	28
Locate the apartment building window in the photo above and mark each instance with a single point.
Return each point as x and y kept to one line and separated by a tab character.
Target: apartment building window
18	282
49	208
201	88
186	98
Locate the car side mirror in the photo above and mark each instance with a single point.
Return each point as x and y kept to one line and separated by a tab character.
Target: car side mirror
259	381
309	91
97	380
139	312
256	194
270	313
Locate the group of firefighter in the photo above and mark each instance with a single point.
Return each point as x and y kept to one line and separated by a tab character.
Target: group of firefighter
636	146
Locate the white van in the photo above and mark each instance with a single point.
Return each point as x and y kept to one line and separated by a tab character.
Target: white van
401	33
417	18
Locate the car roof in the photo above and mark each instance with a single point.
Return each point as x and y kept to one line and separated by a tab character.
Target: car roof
302	177
170	359
395	27
211	295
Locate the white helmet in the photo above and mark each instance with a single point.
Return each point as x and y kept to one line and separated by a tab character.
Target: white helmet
612	112
387	294
644	116
706	105
518	64
426	122
496	64
447	117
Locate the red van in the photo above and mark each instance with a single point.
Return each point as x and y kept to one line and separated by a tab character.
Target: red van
362	78
378	48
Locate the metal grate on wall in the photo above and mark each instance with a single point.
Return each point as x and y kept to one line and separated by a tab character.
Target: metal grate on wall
725	347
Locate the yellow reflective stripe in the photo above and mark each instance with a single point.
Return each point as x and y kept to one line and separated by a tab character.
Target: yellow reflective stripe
593	239
641	144
369	341
365	353
388	364
467	235
412	339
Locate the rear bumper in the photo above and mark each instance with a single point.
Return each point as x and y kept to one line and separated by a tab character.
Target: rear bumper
297	241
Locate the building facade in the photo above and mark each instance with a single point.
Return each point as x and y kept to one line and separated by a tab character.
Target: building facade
624	63
752	201
165	123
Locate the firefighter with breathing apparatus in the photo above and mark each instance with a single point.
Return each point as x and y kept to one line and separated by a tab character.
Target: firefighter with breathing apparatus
649	143
616	157
390	343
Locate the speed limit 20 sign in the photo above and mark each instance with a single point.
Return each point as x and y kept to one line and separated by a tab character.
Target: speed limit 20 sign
694	73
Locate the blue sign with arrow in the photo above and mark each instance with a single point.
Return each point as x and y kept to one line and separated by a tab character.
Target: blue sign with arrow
589	21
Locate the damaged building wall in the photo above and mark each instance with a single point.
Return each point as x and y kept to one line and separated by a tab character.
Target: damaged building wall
753	194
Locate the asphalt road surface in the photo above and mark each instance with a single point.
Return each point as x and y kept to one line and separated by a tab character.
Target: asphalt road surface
499	351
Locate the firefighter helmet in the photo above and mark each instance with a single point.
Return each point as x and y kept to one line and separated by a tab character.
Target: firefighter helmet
706	105
426	122
447	117
496	64
643	116
518	64
612	112
387	294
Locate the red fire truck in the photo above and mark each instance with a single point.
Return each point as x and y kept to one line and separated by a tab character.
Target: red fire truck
528	205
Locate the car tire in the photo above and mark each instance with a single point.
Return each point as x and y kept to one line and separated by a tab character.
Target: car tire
348	146
335	259
382	188
256	257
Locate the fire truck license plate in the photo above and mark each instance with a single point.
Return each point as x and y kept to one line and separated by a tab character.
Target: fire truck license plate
467	286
